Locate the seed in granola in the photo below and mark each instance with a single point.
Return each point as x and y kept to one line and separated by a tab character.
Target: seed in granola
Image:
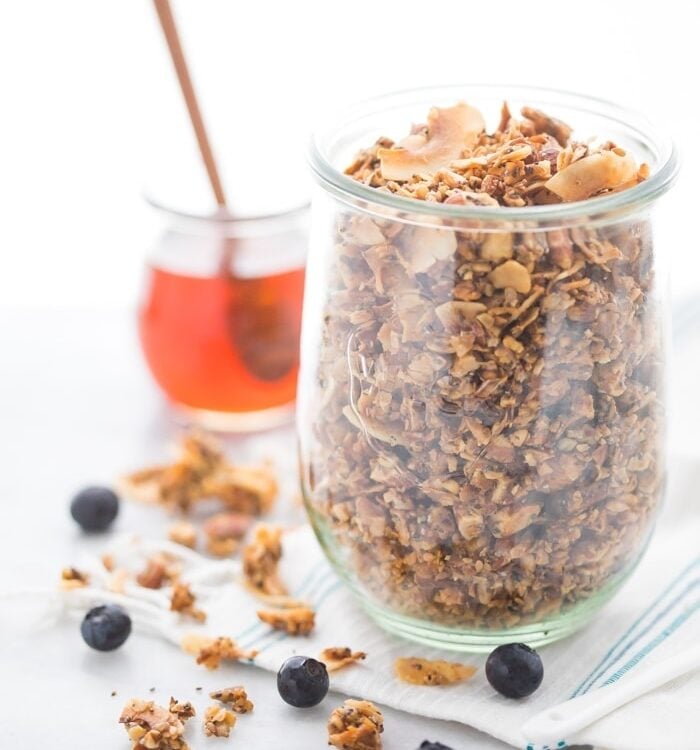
95	508
356	725
218	721
514	670
302	681
296	621
105	628
337	657
427	672
235	697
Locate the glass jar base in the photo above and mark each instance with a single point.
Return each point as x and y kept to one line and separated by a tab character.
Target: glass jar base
235	422
534	634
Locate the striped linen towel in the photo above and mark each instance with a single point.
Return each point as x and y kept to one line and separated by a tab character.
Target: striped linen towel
654	616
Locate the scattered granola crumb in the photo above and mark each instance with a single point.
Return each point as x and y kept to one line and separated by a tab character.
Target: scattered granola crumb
108	562
160	569
72	578
337	657
297	621
183	710
182	600
184	533
356	725
218	721
260	560
224	530
212	651
151	690
113	693
152	727
203	471
427	672
236	697
198	689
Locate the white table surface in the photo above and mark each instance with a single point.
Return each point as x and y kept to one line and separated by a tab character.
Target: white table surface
77	407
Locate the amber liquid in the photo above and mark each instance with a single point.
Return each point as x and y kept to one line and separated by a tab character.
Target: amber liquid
223	344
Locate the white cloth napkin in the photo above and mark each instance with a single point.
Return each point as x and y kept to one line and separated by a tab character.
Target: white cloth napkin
654	616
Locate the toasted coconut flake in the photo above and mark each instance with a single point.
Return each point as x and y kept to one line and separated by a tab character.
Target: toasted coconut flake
450	131
337	657
427	672
297	621
603	170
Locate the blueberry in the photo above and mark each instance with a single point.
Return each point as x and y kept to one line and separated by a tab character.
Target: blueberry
94	508
428	745
514	670
106	627
302	681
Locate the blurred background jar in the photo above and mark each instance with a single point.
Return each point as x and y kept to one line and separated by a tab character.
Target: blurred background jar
220	316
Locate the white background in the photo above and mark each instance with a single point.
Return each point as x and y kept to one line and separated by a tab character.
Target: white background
91	113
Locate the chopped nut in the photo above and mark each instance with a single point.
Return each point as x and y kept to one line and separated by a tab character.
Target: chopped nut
154	575
72	578
184	533
511	274
260	560
426	672
223	531
212	651
497	246
297	621
182	600
235	697
337	657
152	727
218	721
356	725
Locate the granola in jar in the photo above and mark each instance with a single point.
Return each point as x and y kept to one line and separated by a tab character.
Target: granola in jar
484	409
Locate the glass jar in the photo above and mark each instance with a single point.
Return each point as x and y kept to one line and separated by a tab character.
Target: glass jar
482	450
220	317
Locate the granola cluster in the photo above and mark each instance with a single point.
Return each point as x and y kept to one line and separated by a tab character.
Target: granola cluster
234	697
218	721
294	621
337	657
202	472
356	725
485	424
152	727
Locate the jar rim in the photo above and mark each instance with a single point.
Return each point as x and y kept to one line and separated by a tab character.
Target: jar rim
222	216
604	206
